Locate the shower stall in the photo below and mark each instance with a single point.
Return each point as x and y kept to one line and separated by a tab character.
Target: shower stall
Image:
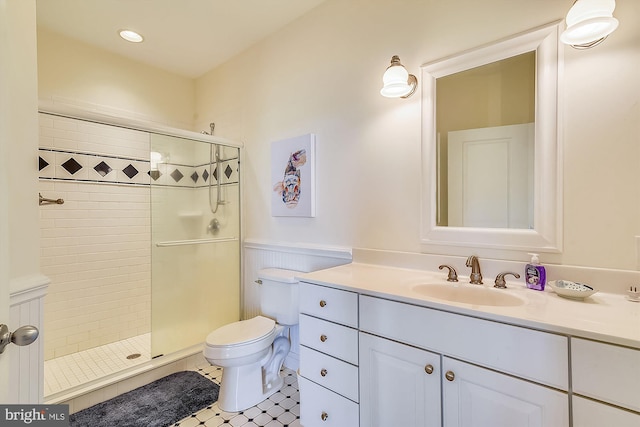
144	253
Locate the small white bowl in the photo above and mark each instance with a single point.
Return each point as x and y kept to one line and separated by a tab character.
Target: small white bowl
569	289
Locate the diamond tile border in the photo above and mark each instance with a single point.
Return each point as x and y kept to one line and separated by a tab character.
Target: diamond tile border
88	167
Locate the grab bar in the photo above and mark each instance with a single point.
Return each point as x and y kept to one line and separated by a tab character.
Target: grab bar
45	201
194	242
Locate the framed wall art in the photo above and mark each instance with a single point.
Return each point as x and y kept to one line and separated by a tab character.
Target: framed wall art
293	177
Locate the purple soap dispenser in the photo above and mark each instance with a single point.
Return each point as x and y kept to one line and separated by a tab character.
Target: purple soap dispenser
535	274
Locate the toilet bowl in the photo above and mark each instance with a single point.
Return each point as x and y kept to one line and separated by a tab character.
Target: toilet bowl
252	352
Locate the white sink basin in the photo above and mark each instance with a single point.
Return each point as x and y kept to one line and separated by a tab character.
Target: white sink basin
469	294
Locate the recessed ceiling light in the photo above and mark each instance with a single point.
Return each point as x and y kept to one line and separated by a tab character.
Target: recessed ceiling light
131	36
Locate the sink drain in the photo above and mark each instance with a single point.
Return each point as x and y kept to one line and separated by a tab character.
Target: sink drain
133	356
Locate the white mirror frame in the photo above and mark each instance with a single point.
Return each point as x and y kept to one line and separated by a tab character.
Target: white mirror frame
546	236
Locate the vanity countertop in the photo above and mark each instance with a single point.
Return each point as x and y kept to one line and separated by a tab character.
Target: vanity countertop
603	316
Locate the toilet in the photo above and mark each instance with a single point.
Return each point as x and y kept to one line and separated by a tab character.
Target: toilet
251	352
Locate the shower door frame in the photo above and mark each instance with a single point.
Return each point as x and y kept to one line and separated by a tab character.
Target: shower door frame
79	113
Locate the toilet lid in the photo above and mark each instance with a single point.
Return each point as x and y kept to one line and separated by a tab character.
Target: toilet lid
242	332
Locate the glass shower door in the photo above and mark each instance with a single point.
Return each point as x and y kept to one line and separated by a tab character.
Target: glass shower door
195	256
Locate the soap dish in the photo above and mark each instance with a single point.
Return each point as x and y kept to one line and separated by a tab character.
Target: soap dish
573	290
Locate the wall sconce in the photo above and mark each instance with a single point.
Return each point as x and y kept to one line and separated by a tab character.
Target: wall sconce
398	83
589	22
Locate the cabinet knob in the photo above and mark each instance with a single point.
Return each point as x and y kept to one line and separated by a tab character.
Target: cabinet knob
428	369
450	376
324	416
323	337
323	303
323	372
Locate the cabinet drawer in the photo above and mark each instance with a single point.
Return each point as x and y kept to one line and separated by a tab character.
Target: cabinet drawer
329	303
587	413
320	407
329	372
534	355
606	372
330	338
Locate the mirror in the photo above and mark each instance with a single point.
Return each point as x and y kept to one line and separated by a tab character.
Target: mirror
485	121
490	146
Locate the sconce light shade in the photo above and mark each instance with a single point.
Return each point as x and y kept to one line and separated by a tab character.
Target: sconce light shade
398	83
589	22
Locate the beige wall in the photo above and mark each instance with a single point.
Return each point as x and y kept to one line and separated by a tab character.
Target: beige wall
21	129
322	74
18	148
72	72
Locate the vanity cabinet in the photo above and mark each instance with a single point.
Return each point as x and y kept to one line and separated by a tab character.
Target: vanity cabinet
526	382
371	361
476	397
399	384
607	375
328	357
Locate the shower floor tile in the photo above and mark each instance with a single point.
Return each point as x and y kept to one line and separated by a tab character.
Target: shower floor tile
282	409
66	372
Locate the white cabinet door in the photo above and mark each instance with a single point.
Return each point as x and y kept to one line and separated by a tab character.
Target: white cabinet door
588	413
478	397
399	385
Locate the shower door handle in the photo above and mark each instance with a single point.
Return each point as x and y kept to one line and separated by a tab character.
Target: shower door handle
24	335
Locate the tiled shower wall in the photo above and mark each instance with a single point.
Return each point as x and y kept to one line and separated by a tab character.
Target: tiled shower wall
95	247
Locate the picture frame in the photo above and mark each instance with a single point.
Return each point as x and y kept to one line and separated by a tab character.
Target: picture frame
293	177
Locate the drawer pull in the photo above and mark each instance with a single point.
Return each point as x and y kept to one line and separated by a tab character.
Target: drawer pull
324	416
323	372
323	303
323	337
428	369
450	376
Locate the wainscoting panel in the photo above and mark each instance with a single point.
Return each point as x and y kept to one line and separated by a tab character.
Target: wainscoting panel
26	303
299	257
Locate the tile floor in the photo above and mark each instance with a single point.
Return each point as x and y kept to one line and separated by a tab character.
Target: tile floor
282	409
66	372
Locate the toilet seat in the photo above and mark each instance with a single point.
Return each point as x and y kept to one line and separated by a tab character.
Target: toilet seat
241	338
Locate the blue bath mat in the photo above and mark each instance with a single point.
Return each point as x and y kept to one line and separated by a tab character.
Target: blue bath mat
158	404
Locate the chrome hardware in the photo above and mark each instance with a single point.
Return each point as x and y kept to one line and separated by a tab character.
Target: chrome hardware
428	369
453	274
259	282
45	201
324	416
194	242
500	283
450	376
476	274
214	226
24	335
323	372
323	338
323	303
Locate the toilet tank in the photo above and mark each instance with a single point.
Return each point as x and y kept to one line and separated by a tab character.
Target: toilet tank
279	295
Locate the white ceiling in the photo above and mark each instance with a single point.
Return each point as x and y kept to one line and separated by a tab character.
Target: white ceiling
186	37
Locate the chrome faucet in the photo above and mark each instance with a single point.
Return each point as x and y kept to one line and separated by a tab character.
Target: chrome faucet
476	274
